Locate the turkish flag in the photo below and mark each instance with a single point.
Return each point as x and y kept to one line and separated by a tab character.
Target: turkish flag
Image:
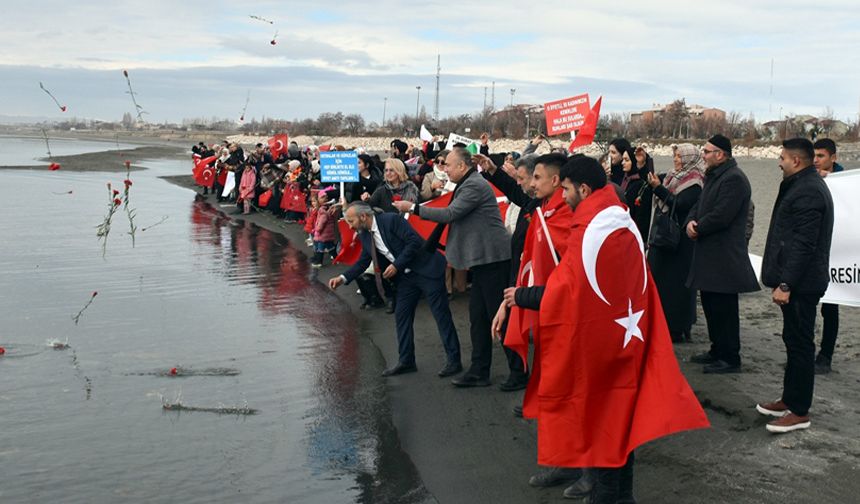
293	199
204	174
536	264
609	378
279	144
350	246
588	129
425	227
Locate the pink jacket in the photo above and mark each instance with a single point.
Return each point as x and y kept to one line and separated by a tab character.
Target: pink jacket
246	185
325	226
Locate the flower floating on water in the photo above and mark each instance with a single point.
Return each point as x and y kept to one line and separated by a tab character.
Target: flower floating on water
2	350
174	372
77	317
54	166
57	344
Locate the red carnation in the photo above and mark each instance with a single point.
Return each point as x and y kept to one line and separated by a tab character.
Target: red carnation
397	197
95	293
124	72
173	371
117	201
127	182
2	350
127	163
115	192
637	202
54	166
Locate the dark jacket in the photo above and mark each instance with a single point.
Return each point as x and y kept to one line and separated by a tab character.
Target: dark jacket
798	241
721	260
365	185
527	204
405	244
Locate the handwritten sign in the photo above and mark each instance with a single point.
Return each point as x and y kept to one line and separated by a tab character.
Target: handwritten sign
339	166
454	138
564	116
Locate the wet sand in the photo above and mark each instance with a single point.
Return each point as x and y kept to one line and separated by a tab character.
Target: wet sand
108	161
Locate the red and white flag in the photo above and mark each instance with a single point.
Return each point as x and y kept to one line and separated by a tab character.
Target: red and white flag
586	133
279	144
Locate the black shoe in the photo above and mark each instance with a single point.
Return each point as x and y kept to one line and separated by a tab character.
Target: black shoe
470	380
822	365
582	487
687	336
721	367
371	305
703	358
512	384
450	369
400	369
389	306
518	411
554	476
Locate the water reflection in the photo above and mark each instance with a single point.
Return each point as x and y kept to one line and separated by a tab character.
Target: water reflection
348	426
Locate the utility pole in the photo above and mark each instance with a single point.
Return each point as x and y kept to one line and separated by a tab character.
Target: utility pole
384	107
527	124
417	101
436	101
485	98
493	97
512	96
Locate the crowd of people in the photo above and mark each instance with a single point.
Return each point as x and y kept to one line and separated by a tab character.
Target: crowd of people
553	272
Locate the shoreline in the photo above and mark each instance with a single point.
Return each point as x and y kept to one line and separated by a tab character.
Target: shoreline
467	446
106	161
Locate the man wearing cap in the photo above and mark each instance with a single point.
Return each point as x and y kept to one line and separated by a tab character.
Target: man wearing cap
721	267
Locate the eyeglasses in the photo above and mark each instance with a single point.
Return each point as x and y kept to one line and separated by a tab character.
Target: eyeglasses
440	162
706	151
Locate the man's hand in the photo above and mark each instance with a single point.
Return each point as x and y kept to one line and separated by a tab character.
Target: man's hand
691	230
389	272
403	206
436	185
365	196
334	283
510	293
653	180
485	163
780	297
498	320
537	139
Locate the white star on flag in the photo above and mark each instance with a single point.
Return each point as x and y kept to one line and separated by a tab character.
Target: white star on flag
630	323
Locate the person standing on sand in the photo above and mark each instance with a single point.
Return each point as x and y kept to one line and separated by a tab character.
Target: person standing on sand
825	163
477	241
721	267
795	266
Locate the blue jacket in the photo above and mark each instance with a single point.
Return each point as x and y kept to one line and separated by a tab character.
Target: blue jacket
405	244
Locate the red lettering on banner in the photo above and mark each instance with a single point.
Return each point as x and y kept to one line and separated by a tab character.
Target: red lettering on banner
566	115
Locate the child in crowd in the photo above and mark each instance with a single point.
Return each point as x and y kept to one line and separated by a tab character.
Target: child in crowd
247	187
325	227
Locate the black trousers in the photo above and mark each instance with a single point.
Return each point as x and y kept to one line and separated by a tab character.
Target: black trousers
724	325
798	334
612	485
830	315
488	286
515	363
410	287
367	285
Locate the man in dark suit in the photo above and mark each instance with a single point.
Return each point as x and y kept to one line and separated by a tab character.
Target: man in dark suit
721	267
796	267
397	252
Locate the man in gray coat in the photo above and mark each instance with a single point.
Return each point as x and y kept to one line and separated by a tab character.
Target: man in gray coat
477	241
721	267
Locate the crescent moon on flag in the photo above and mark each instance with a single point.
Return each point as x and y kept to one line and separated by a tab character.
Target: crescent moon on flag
606	222
280	144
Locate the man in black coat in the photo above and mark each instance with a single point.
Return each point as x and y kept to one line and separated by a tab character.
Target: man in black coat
795	266
397	252
720	267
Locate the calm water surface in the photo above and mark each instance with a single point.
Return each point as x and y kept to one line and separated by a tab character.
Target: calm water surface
18	151
198	292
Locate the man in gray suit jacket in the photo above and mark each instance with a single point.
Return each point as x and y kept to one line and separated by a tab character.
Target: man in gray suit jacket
477	241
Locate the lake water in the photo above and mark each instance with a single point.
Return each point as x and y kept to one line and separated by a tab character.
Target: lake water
28	151
231	306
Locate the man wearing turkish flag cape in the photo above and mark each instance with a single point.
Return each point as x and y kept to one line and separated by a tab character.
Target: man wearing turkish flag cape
609	379
539	259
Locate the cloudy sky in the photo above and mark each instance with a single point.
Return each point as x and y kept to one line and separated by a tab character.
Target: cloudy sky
200	58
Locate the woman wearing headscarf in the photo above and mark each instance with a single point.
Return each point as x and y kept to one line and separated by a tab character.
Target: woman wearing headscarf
637	194
435	180
679	188
396	187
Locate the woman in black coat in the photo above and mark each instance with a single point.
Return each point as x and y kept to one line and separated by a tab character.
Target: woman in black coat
679	191
617	147
637	194
369	178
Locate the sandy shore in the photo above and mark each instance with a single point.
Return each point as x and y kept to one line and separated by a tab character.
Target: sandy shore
468	447
108	161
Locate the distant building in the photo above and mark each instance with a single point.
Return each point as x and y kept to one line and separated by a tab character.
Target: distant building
656	111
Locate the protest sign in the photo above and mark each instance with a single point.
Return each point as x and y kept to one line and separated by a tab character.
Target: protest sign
564	116
454	138
339	166
844	285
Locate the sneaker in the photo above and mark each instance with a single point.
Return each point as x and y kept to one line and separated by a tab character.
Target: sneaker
822	365
776	409
554	476
788	423
703	358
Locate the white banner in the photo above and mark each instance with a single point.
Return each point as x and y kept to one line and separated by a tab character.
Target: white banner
844	286
845	249
454	138
425	134
229	184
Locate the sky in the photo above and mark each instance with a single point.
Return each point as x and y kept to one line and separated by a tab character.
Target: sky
194	58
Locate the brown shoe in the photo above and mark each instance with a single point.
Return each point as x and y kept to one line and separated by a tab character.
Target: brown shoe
777	409
788	423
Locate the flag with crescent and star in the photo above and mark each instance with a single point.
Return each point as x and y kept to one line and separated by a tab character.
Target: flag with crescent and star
204	174
610	381
279	144
536	264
